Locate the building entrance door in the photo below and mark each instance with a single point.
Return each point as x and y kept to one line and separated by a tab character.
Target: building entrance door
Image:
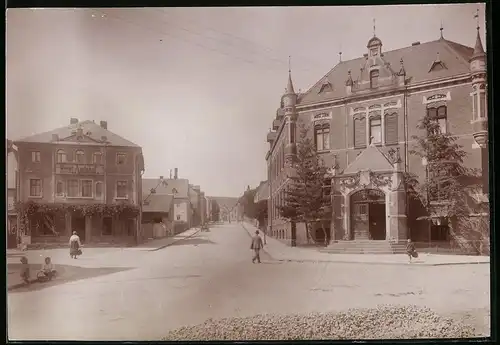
78	224
368	215
377	221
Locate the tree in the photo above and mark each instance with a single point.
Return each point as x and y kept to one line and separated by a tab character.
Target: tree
247	201
446	190
215	211
261	212
305	200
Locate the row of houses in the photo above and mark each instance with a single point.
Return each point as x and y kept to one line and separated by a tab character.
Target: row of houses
83	177
362	116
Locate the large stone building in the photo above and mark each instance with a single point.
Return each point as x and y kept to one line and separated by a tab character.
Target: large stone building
81	177
363	114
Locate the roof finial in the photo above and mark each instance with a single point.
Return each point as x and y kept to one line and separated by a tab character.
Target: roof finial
340	56
441	29
477	18
289	64
374	27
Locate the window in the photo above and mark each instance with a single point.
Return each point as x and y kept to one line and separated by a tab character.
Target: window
60	188
439	115
375	130
120	158
98	189
61	156
80	156
86	188
97	158
361	209
391	128
107	226
360	132
35	156
73	188
322	136
374	79
174	191
178	217
35	187
121	189
327	189
43	225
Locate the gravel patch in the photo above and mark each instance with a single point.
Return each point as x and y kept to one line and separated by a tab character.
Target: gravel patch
383	322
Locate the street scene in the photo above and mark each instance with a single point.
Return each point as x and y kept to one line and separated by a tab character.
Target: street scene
194	174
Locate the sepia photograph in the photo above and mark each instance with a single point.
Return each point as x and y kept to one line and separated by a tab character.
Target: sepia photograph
247	173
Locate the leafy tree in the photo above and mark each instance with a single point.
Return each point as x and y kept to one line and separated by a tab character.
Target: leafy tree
304	200
247	201
446	190
261	212
215	211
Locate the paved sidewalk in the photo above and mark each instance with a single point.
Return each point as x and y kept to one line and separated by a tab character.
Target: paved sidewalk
282	252
161	243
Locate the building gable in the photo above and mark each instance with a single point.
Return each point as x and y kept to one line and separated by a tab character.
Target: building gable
370	159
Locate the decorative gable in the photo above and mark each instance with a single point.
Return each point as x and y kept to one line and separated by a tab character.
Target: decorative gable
370	159
79	138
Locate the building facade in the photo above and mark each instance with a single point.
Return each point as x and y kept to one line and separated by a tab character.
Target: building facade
12	197
362	116
83	178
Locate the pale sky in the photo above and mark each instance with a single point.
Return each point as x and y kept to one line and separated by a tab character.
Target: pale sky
196	88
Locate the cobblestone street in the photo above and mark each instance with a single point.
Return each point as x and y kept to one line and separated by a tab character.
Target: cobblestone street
211	276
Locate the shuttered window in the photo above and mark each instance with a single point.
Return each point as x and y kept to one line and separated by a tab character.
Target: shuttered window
359	132
391	128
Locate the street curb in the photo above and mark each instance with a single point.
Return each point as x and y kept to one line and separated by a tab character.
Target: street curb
171	243
367	262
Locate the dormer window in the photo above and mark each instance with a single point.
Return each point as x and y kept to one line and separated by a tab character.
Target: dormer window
374	78
80	156
326	87
374	52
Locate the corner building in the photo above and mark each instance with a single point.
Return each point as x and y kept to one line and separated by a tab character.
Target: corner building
363	114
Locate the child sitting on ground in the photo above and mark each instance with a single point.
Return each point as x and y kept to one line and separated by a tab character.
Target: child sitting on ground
25	270
48	271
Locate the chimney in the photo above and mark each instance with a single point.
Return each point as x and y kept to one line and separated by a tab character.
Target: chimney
170	173
55	137
104	124
175	174
73	121
415	43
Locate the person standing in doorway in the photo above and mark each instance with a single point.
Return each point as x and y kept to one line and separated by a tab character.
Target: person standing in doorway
74	245
256	246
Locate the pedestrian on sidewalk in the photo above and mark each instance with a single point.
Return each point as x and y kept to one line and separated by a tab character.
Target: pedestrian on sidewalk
410	250
25	270
74	245
256	246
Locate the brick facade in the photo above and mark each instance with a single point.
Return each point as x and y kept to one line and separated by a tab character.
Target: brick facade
348	102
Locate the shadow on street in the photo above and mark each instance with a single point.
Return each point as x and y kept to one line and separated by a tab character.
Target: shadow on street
192	241
65	274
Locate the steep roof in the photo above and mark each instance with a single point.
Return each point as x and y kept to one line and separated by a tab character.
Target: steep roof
92	133
180	186
157	203
417	60
370	159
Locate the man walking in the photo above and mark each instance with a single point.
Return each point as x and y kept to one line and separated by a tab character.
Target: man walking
257	245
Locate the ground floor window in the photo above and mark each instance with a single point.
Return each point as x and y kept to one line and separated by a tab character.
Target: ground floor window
107	226
43	225
440	233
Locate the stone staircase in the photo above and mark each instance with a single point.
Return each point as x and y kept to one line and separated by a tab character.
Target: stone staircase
365	247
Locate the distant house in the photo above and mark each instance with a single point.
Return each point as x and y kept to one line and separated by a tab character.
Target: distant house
12	197
179	188
157	215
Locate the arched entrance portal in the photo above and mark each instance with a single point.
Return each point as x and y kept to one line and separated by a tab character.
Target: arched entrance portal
368	215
